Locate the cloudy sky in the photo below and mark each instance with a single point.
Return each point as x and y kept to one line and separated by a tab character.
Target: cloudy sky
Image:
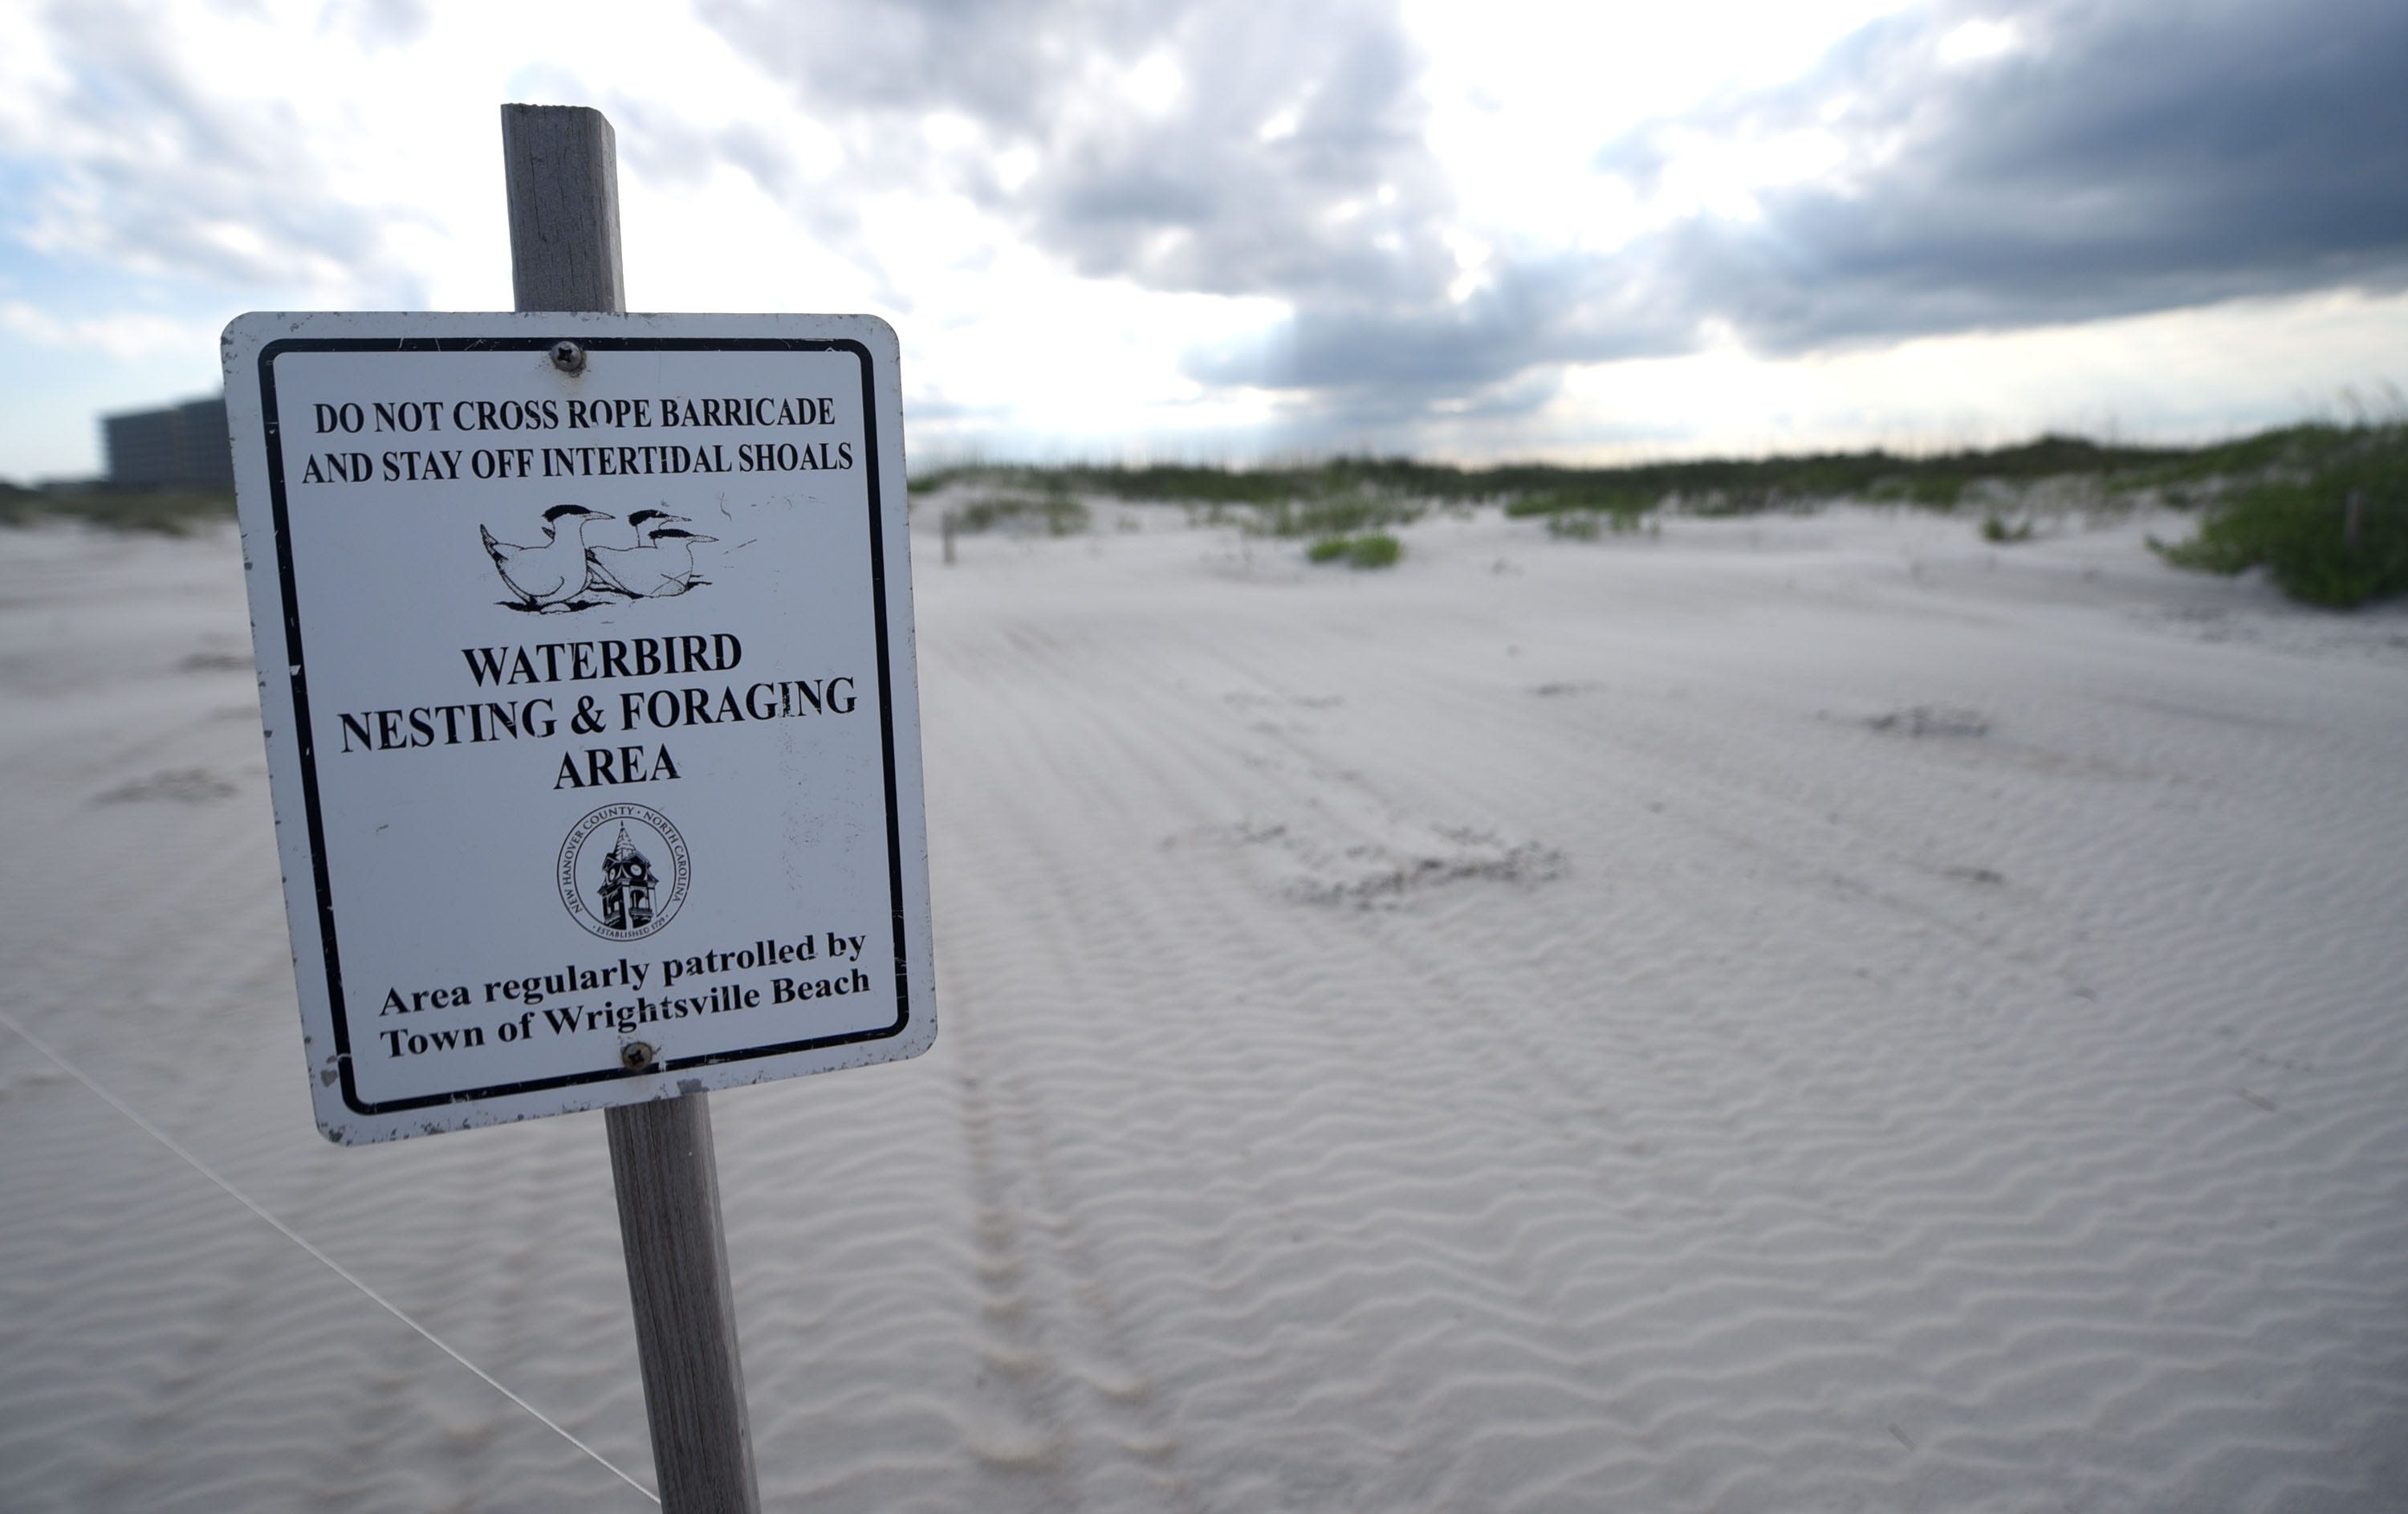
1190	228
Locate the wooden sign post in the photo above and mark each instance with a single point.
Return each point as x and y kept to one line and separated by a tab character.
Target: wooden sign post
563	175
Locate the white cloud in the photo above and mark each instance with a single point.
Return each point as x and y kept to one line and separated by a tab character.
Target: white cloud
1980	40
126	336
2178	375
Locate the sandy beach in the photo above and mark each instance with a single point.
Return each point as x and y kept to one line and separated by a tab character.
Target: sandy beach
1797	1013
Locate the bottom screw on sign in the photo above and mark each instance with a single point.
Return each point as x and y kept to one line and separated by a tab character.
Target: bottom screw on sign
637	1055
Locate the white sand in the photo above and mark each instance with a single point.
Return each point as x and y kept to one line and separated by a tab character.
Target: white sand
1803	1013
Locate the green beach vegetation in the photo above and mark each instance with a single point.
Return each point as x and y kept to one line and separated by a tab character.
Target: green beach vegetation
2280	498
1372	549
2330	527
1701	486
1052	511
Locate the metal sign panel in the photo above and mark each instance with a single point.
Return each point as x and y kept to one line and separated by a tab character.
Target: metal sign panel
586	666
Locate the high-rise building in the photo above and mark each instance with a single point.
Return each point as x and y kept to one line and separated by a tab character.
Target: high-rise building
183	447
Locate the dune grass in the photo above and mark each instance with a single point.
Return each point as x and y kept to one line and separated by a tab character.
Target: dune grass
1372	549
1704	485
2333	533
2280	497
1055	513
1341	496
1343	514
1586	520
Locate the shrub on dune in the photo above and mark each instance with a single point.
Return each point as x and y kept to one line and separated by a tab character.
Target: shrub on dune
2336	537
1374	548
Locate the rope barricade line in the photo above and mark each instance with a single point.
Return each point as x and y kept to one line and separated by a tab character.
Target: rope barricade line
296	1239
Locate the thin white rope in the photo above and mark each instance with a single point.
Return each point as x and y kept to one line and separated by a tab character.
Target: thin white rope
289	1234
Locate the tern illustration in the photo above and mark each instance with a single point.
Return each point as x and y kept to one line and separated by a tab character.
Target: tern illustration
547	574
662	566
602	577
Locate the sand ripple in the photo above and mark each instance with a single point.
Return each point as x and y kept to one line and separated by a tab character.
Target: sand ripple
1862	1040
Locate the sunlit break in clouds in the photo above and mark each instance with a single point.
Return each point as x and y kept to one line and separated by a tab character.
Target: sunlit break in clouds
1193	229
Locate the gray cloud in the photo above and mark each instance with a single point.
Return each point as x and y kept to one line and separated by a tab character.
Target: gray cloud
1290	162
1533	314
1346	204
1007	63
172	170
2136	157
2140	157
1185	193
661	145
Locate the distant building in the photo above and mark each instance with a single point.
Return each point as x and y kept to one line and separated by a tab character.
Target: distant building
182	448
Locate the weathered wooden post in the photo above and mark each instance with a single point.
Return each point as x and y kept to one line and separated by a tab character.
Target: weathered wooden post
561	167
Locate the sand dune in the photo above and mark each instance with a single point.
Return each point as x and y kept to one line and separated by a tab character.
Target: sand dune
1806	1013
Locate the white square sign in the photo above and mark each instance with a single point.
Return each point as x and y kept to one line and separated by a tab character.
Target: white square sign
586	666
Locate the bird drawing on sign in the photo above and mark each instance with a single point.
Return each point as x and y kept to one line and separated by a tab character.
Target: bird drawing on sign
550	574
658	568
613	570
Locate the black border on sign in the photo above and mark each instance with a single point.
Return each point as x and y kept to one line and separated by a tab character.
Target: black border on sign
308	746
